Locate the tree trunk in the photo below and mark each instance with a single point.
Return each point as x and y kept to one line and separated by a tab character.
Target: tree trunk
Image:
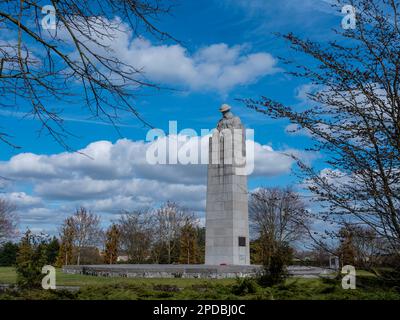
79	257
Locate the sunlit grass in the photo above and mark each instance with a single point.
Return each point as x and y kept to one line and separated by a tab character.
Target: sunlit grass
8	276
94	288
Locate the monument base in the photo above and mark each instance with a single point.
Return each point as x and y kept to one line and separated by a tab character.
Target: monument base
183	271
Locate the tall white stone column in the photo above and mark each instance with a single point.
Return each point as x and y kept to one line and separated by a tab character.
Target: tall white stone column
227	225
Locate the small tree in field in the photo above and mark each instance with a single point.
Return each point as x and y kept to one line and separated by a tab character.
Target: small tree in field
65	254
346	251
274	269
7	220
86	230
8	254
188	250
137	234
169	220
361	247
52	248
113	235
78	232
278	218
30	260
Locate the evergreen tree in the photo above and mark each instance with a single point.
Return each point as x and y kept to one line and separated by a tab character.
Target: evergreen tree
112	244
275	264
8	254
30	260
52	250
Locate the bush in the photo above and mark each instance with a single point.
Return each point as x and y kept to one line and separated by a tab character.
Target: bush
244	286
30	260
275	268
390	277
8	254
166	288
51	248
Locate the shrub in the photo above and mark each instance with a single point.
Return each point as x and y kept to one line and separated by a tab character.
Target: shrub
244	286
390	277
166	288
8	254
275	268
30	260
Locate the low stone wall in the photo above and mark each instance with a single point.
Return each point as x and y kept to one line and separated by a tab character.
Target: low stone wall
163	271
183	271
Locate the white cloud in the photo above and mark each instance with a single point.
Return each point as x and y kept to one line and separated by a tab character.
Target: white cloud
268	162
303	91
22	200
103	164
216	67
109	177
75	189
29	165
40	216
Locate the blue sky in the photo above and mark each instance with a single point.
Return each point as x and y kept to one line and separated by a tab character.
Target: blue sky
227	51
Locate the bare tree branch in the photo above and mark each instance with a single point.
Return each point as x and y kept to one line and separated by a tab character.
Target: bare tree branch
354	118
76	60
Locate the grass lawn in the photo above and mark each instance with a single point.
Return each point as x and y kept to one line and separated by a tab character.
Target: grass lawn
99	288
8	276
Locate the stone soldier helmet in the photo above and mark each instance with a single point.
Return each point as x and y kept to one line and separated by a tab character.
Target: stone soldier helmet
225	108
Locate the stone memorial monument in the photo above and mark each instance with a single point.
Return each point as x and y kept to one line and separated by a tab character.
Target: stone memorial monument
227	226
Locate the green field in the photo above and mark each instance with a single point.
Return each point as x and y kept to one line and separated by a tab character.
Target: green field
8	276
91	287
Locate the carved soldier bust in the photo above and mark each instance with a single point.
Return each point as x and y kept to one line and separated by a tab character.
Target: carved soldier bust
229	120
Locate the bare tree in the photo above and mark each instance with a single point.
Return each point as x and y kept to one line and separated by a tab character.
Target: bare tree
155	234
354	117
7	220
188	246
365	246
136	234
65	254
75	62
170	218
278	213
86	230
278	217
